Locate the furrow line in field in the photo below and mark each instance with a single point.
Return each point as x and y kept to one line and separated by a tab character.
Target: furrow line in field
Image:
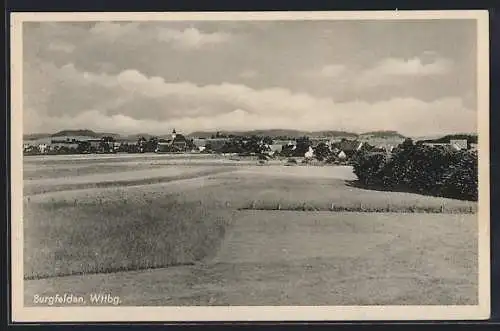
36	190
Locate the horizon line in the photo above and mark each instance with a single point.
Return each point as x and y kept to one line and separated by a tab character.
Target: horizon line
251	130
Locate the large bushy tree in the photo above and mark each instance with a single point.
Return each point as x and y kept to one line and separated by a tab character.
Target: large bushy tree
420	168
303	144
321	151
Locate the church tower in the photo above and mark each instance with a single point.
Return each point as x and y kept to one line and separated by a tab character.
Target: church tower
174	134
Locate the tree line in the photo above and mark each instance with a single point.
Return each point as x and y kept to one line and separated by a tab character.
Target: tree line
430	170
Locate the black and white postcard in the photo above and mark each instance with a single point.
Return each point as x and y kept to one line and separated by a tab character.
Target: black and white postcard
250	166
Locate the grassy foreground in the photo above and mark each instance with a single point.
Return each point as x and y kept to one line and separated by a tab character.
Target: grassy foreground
179	222
105	236
312	258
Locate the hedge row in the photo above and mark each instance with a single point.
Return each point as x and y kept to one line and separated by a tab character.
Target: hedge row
423	169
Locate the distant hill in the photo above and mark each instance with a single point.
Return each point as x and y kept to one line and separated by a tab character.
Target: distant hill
383	134
275	133
471	138
135	137
334	134
84	133
36	136
108	134
70	133
201	134
271	133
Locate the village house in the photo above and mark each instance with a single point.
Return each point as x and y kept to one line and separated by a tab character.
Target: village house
310	153
275	149
436	144
43	148
94	143
459	144
453	145
163	147
284	142
31	149
178	143
57	144
316	141
346	148
200	143
62	142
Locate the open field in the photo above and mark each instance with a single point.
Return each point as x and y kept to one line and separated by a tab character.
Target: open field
67	166
191	220
313	259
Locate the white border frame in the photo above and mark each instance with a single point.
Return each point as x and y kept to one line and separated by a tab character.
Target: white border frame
252	313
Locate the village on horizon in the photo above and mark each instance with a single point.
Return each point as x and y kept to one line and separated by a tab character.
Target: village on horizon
266	142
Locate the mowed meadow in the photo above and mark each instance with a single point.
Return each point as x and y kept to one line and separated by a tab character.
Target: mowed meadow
208	230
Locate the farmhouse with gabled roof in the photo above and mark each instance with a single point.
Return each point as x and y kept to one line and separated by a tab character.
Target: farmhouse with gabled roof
178	143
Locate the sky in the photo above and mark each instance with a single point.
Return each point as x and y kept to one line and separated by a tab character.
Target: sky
415	77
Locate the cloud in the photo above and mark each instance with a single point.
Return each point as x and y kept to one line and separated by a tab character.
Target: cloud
114	30
248	74
61	47
131	101
332	70
412	67
391	70
377	116
191	38
329	71
188	38
347	67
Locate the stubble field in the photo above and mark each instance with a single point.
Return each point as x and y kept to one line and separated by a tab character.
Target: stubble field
171	230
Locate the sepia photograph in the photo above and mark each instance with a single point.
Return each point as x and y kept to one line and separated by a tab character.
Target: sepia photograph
250	166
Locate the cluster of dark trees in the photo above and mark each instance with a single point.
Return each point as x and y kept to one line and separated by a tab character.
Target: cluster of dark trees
106	145
143	145
430	170
219	134
242	145
301	146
